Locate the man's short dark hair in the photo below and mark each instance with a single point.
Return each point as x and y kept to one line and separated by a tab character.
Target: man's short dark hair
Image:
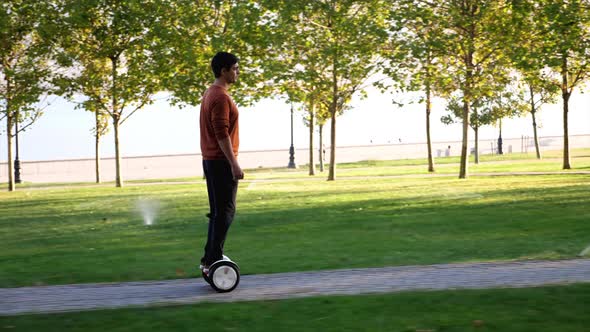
222	60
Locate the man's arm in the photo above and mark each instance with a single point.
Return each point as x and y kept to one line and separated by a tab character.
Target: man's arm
228	151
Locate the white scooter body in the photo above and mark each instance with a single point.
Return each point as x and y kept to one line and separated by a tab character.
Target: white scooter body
223	275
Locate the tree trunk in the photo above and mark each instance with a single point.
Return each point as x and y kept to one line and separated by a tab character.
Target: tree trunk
475	126
311	128
466	111
537	146
428	140
566	97
476	130
322	153
116	115
332	168
333	108
9	124
97	148
465	142
566	145
118	181
534	116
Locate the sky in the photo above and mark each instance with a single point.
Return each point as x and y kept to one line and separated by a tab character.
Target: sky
64	132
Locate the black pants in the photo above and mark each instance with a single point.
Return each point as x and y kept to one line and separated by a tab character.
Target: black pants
222	189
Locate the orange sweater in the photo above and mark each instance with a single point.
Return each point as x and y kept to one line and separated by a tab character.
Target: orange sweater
219	119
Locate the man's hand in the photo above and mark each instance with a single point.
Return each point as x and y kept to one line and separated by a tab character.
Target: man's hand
237	172
226	147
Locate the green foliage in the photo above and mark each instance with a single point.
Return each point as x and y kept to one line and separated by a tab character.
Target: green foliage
499	103
109	45
116	55
467	37
554	35
331	50
415	50
471	45
25	70
190	34
25	73
563	28
322	44
527	48
111	49
564	36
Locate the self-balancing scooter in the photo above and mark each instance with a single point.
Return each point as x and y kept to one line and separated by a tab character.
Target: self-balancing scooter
223	275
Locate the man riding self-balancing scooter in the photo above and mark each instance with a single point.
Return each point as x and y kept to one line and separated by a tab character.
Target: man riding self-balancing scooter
219	147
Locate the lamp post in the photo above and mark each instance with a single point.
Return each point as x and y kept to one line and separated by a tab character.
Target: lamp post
292	149
16	159
500	139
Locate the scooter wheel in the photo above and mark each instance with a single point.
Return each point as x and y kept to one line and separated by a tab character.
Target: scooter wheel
224	276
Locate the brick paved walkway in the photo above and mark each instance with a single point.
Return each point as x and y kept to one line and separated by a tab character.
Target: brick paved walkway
82	297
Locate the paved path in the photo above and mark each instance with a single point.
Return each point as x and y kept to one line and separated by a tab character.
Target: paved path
48	299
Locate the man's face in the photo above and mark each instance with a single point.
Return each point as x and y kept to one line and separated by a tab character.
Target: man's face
231	75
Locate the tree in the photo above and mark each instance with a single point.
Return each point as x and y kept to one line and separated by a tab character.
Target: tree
507	103
541	90
298	71
414	61
111	43
474	35
195	30
347	38
317	115
25	73
101	127
93	99
564	29
322	115
302	83
526	52
455	109
502	100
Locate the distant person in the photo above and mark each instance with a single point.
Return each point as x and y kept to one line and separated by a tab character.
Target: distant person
448	152
219	146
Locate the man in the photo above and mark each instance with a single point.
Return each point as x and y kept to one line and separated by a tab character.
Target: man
219	148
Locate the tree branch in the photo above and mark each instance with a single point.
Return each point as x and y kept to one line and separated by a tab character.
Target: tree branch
37	115
487	56
579	76
140	106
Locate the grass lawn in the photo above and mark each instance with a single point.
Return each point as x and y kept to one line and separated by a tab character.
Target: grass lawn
96	234
547	309
515	162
